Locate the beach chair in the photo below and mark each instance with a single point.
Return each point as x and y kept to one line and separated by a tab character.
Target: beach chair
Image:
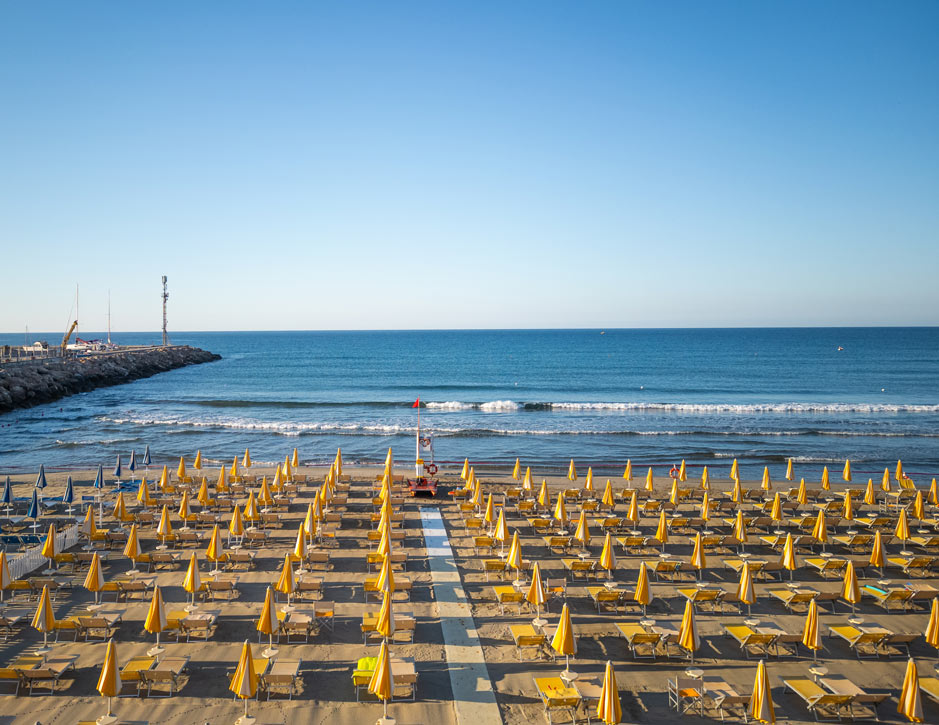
556	590
897	644
525	637
228	587
700	598
684	693
11	674
889	598
558	544
557	697
99	628
929	543
309	588
48	673
828	568
856	543
820	703
930	687
838	685
283	675
866	644
665	570
297	628
324	615
508	595
130	675
794	600
494	566
750	641
165	676
913	566
481	543
641	643
242	558
10	624
602	596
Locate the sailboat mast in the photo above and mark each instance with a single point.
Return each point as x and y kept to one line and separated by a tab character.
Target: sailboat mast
109	317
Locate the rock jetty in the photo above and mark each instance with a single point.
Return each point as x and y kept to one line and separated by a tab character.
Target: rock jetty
25	384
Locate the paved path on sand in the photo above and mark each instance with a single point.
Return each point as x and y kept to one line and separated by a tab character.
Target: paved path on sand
473	699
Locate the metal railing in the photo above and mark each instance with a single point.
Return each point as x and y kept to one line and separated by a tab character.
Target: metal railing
32	559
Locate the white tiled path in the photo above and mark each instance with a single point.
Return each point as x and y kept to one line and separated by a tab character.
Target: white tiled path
473	700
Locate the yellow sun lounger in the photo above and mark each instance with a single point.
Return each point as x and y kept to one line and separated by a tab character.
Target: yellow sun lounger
638	638
819	702
557	697
525	637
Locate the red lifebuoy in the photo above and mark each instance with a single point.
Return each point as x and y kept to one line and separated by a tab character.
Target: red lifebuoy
431	469
673	472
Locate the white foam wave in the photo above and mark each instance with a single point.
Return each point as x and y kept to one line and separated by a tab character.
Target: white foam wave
751	407
494	406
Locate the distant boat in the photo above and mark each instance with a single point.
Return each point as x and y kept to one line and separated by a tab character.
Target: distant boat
602	332
840	348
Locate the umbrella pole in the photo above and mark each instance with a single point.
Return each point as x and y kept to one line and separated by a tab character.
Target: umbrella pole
110	714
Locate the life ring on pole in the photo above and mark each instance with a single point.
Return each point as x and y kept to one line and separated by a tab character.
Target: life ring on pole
673	472
431	469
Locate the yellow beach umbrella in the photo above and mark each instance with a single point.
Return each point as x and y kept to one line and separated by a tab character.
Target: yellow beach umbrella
489	516
5	579
564	642
767	483
761	701
846	474
382	683
899	473
544	497
932	629
588	481
386	577
643	594
222	484
869	497
919	510
165	527
877	552
477	495
385	626
192	582
536	594
789	556
789	474
820	530
465	472
44	618
688	633
705	479
826	483
268	623
526	482
234	467
675	495
776	511
661	532
746	593
734	471
203	495
582	533
850	591
682	471
470	479
251	508
48	546
847	512
384	543
501	532
244	683
184	513
119	512
132	548
143	493
236	526
632	513
885	484
608	708
572	472
286	584
649	479
736	495
706	507
911	700
628	473
698	559
560	510
164	480
109	682
608	556
197	464
740	528
608	499
214	551
933	497
903	528
181	469
246	461
811	634
156	615
517	469
299	547
514	559
802	496
94	579
264	497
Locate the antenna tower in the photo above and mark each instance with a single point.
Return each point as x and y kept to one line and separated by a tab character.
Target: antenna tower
166	296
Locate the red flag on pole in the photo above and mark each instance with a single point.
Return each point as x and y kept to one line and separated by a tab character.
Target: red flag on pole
417	403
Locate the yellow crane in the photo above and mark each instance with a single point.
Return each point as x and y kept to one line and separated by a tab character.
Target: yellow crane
67	336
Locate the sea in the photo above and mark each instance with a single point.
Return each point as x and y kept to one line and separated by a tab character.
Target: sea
601	397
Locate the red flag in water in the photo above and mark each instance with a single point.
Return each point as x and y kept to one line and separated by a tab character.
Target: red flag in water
417	403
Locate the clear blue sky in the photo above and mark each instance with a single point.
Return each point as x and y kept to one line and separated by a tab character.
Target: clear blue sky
485	164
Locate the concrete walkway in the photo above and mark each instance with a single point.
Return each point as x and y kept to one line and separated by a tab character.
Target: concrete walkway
473	699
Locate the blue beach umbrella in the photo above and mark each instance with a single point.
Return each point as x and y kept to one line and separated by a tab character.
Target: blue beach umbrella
7	493
69	495
99	477
117	468
146	457
132	464
33	512
41	478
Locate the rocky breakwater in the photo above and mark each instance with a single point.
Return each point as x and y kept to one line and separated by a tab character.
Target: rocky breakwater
26	384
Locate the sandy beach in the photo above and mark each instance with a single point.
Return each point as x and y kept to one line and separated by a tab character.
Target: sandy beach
326	693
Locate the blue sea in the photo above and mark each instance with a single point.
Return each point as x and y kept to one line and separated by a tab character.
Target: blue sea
546	396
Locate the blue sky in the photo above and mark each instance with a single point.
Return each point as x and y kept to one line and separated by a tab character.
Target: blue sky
525	164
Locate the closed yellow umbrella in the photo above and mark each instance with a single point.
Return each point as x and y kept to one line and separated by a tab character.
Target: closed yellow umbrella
119	512
382	683
826	483
268	623
385	626
632	513
903	528
384	543
295	460
560	510
203	495
911	700
776	511
386	577
572	472
582	533
643	594
5	578
705	479
608	556
811	635
802	496
44	618
286	584
234	467
489	516
706	507
564	642
477	495
251	508
514	558
761	701
181	469
885	484
846	474
246	461
869	497
608	499
264	496
919	510
132	548
109	682
244	683
527	482
222	484
766	484
877	552
465	472
536	594
734	471
94	579
164	480
470	479
789	474
789	556
850	591
682	471
299	548
698	559
899	473
675	495
649	479
501	532
608	708
184	513
740	529
932	629
628	473
746	593
165	527
143	493
214	551
688	633
588	481
736	494
156	615
820	530
517	469
192	582
236	526
661	532
847	512
48	546
933	497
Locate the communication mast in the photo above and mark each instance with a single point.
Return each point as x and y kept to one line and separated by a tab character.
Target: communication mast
166	296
